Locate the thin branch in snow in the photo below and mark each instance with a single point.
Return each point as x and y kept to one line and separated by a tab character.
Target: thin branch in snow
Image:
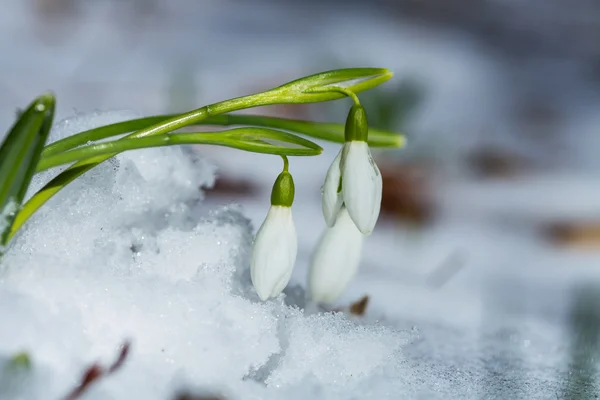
95	372
122	357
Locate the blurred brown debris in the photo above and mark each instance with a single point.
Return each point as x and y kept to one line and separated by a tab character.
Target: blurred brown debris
227	186
574	234
406	194
360	307
488	162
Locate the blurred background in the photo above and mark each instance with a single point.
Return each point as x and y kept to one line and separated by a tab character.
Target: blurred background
491	214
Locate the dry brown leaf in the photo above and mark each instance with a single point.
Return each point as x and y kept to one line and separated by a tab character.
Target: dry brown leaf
405	193
360	307
583	235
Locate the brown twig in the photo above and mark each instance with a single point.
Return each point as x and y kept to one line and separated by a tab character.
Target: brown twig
573	234
95	372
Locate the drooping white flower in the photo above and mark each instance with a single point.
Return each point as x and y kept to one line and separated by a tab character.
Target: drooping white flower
362	185
332	198
274	253
353	178
276	244
335	260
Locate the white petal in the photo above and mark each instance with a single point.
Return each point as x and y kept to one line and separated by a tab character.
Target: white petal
335	261
362	185
331	200
274	253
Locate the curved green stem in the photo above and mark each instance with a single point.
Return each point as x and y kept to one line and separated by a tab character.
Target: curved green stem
286	163
342	90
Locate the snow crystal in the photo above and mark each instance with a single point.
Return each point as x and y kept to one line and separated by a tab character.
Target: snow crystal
128	252
324	341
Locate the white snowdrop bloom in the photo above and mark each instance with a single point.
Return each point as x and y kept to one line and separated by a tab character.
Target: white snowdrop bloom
276	244
362	185
332	198
353	178
335	260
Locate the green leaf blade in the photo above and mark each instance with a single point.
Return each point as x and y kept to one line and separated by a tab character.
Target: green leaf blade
102	132
325	131
270	141
19	155
257	140
319	130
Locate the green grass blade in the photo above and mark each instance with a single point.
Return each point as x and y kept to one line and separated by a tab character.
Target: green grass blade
19	156
102	132
324	131
257	140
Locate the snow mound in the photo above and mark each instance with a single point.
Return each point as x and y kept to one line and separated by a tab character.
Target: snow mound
127	252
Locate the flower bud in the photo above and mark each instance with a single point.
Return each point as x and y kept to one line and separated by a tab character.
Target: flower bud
357	127
283	190
315	88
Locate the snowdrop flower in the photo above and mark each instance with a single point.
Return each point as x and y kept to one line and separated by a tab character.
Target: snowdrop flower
353	180
336	260
276	244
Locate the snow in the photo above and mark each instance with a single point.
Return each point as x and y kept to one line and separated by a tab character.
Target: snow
129	252
134	251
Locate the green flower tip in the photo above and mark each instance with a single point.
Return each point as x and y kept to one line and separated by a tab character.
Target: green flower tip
357	128
19	361
283	190
400	141
315	88
45	103
391	140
